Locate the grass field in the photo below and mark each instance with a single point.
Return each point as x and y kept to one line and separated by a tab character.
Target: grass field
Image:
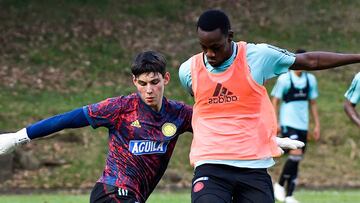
59	55
305	196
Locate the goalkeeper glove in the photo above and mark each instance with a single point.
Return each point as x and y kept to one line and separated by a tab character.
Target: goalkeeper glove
287	143
9	141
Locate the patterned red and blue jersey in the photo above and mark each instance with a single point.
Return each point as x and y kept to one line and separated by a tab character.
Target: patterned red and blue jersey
141	140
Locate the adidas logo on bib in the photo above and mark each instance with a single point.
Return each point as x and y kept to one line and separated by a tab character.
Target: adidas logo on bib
222	95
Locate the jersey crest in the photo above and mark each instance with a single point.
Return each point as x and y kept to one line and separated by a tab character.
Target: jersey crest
168	129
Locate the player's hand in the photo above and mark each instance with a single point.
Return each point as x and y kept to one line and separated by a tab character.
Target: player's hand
287	143
9	141
316	134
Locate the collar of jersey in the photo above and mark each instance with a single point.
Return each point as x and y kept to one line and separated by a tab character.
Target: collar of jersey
147	107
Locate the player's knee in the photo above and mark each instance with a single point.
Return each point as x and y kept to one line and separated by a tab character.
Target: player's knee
296	152
295	158
208	198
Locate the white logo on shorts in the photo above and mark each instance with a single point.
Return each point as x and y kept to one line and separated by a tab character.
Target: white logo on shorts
200	179
294	137
122	192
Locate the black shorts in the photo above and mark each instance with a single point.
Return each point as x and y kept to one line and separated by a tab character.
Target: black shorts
295	134
216	183
103	193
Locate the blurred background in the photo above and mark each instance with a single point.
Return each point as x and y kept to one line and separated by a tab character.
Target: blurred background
58	55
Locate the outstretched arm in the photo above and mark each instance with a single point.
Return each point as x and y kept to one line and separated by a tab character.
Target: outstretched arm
351	112
72	119
323	60
315	115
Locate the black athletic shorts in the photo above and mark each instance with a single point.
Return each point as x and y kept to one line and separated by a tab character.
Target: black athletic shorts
217	183
103	193
295	134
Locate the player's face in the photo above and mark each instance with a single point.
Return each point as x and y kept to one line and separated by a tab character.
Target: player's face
151	88
215	45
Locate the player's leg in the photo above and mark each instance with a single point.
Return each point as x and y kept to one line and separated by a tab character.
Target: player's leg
209	185
254	185
294	159
279	187
291	170
290	167
103	193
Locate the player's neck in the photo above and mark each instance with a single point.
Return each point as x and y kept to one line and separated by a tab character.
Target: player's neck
230	52
298	73
157	108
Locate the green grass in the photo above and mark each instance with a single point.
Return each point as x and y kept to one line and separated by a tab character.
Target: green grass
328	196
308	196
97	40
52	198
155	8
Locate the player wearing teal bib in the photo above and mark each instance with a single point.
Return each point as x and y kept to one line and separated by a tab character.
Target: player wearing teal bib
297	90
352	98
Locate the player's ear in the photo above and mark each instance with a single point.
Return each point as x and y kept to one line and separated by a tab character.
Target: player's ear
230	35
134	80
166	78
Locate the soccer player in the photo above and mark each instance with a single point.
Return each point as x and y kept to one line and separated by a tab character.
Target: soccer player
296	89
352	98
234	123
143	130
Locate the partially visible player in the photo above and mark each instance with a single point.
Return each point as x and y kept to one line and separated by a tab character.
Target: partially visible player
143	130
352	96
297	90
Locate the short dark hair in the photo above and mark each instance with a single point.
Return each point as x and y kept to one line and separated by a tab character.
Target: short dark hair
212	19
148	62
299	51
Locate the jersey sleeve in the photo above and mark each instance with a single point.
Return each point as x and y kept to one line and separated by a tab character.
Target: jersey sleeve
267	61
185	76
353	93
104	113
186	113
313	92
72	119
